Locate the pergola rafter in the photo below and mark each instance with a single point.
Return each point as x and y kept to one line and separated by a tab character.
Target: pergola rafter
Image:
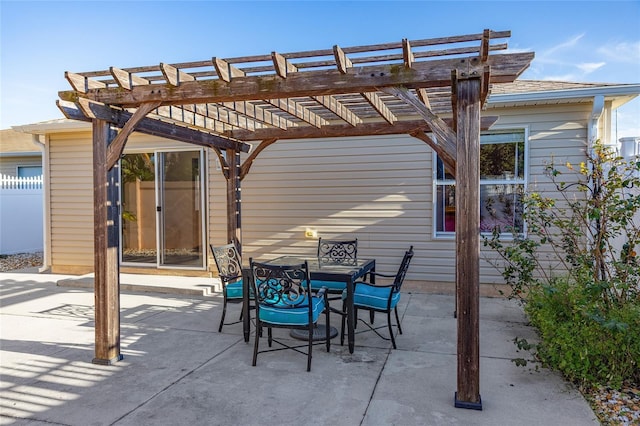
421	88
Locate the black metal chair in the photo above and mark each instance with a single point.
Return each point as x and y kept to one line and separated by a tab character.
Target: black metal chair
380	298
332	252
230	271
337	251
283	300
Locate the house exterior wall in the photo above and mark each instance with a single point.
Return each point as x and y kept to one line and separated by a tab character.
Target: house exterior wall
9	165
17	149
378	189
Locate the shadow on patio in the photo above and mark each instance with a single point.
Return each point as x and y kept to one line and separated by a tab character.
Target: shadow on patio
178	369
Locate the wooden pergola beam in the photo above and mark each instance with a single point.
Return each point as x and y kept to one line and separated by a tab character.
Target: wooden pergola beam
106	242
468	243
116	147
445	135
344	64
435	73
246	166
149	126
345	130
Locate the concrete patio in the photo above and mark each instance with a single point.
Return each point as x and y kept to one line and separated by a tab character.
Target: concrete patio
178	370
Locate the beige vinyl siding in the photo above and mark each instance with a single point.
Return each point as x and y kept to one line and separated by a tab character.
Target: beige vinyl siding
71	202
378	189
71	189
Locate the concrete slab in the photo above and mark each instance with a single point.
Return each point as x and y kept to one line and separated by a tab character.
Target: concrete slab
168	284
177	369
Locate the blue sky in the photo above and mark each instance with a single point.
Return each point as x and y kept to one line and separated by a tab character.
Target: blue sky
584	41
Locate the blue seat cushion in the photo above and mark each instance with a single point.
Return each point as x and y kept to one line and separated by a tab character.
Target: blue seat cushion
281	314
332	286
234	290
370	296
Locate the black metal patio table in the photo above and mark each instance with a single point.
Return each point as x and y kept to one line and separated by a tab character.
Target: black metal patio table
325	271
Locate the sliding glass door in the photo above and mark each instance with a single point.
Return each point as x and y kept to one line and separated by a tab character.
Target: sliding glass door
163	209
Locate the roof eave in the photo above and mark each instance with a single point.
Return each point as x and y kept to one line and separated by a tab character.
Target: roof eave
53	126
623	93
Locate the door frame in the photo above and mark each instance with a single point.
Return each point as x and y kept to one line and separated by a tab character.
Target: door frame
157	152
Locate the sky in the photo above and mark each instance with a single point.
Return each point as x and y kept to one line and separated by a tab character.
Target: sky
579	41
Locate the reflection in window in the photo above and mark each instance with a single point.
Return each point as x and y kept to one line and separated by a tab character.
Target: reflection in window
502	185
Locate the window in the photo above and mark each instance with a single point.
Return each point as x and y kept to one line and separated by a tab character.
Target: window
502	185
29	171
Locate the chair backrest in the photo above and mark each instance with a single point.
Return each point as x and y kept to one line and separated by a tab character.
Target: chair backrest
284	286
402	271
228	262
337	251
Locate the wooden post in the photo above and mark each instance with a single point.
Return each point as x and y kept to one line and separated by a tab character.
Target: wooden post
468	241
234	200
106	242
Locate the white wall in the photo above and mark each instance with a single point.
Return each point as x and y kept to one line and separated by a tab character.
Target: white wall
21	224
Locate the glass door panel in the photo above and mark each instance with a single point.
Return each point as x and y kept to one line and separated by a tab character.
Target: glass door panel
138	197
180	209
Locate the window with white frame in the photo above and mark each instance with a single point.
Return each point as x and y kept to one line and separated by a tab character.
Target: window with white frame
502	185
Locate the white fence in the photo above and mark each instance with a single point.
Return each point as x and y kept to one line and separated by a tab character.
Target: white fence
21	215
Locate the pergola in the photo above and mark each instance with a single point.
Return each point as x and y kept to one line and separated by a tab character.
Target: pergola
432	89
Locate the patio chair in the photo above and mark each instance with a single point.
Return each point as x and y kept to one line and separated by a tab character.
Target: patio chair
380	298
283	300
230	271
331	252
335	251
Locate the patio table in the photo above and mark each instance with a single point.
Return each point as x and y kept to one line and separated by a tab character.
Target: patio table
326	271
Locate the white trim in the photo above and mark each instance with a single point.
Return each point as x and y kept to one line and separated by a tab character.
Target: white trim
443	235
594	119
609	91
46	213
20	154
52	126
158	202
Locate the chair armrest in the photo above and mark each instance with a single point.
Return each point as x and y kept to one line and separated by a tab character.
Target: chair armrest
321	292
368	275
380	274
355	283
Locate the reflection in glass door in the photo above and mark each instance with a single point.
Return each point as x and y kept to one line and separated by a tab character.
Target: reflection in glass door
138	182
162	209
180	209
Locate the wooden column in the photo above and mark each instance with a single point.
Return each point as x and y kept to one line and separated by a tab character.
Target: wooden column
468	241
234	200
106	242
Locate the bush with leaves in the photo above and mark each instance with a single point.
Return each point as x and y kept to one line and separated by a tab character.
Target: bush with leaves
577	270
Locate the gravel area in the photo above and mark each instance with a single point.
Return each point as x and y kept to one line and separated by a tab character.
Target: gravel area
616	407
613	407
14	262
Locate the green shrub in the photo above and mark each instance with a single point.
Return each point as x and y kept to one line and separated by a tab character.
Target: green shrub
587	343
579	285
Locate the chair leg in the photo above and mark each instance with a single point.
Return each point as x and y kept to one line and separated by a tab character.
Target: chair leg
328	329
393	340
311	326
255	345
224	312
398	320
372	316
269	336
344	320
